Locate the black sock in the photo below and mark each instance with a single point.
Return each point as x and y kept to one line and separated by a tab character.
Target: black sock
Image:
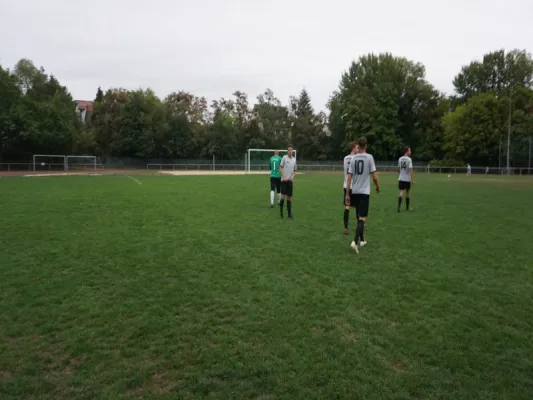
346	218
359	234
399	202
289	207
281	206
361	229
407	203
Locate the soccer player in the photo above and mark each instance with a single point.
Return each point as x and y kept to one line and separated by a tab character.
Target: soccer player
361	168
468	170
288	170
354	150
275	177
406	178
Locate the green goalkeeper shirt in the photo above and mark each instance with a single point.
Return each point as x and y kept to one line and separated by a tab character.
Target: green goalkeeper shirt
275	162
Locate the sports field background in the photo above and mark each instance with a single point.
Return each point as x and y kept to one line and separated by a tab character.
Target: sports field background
191	287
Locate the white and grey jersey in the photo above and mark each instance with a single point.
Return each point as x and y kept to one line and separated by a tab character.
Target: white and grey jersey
347	161
405	164
289	167
361	167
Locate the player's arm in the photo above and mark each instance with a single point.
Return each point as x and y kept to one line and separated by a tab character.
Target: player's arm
348	183
412	172
281	165
374	174
293	172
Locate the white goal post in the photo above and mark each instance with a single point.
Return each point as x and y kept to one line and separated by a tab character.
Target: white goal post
60	160
262	162
86	161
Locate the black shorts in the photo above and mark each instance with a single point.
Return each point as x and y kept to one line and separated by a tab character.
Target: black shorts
344	198
361	202
403	185
286	188
275	184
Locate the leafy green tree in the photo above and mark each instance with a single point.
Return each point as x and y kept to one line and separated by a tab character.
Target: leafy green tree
188	117
337	144
222	137
502	77
142	125
99	95
273	120
387	99
472	133
47	109
106	121
308	134
499	72
10	103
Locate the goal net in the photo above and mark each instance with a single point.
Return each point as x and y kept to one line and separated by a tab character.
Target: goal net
257	159
49	162
74	163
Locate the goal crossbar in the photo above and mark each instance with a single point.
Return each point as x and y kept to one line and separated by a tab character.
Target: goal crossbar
248	158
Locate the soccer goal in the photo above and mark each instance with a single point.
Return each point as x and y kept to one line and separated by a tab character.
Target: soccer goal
257	159
80	163
49	162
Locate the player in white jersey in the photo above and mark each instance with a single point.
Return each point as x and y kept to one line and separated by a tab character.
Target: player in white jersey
288	171
354	150
406	178
361	168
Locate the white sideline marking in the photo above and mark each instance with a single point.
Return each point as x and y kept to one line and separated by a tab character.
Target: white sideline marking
136	180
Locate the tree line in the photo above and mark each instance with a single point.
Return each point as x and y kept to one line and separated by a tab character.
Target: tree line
386	98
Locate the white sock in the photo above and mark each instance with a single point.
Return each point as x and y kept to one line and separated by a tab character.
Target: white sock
279	198
271	197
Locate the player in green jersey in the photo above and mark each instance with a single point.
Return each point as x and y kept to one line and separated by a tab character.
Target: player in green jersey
275	177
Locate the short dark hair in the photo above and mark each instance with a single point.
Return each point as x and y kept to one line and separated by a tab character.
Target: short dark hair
362	142
406	148
352	145
290	145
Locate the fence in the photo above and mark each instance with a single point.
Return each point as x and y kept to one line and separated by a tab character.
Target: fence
236	166
48	167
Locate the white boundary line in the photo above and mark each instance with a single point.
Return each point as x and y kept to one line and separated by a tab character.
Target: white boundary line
136	180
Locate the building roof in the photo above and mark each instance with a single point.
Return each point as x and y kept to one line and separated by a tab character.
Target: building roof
85	105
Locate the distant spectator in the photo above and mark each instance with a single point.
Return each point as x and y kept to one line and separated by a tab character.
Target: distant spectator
468	170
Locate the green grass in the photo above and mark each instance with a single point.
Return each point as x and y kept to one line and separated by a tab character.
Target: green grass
191	288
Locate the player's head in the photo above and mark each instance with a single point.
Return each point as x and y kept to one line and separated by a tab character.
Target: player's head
276	152
289	151
354	148
407	151
362	143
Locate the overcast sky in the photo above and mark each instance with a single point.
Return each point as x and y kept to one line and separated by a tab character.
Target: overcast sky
212	48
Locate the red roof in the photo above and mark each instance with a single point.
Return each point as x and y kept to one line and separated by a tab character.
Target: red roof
85	105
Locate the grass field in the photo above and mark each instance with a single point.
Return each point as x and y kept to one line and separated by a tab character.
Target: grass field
192	288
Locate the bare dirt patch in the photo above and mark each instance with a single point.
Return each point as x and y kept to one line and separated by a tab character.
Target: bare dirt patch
193	173
98	172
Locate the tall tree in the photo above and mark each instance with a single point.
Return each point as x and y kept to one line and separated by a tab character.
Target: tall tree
473	132
273	120
387	99
10	103
50	119
307	129
142	125
499	72
106	120
187	116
